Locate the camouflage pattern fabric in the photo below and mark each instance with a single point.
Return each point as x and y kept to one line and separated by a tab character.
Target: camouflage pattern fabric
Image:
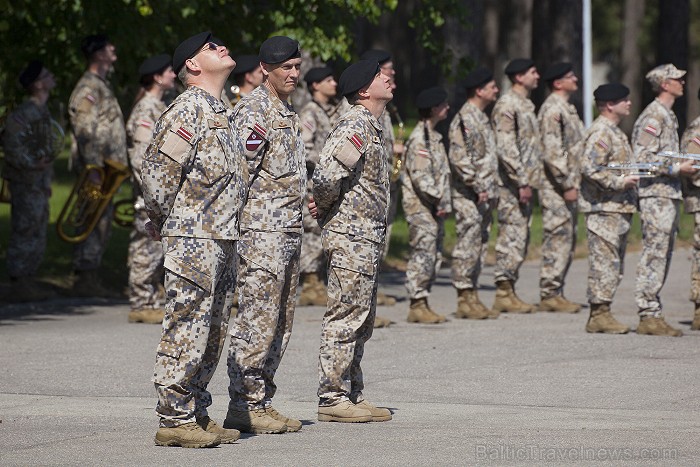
474	165
271	229
351	189
389	140
607	240
690	143
426	190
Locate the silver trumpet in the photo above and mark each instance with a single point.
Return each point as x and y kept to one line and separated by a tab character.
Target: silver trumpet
682	156
637	169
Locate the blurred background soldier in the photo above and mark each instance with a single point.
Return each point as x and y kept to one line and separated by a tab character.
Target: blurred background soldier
99	132
690	143
317	118
426	202
608	200
474	164
519	165
31	143
145	254
656	130
246	77
562	132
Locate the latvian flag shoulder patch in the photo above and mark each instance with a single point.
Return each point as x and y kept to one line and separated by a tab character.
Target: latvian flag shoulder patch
144	123
651	130
184	134
424	153
357	141
696	140
603	144
508	115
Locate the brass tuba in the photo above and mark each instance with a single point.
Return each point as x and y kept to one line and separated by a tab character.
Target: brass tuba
89	199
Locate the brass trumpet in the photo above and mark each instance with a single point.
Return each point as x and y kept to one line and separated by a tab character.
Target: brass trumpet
89	199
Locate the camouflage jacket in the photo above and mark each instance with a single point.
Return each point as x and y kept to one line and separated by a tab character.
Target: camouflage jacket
316	123
351	181
472	153
274	150
562	138
27	140
518	143
426	181
139	132
97	121
194	177
603	190
655	130
690	143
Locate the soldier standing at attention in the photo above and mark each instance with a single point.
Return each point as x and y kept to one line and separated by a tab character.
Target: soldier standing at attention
317	118
690	143
246	77
270	244
194	186
474	164
351	191
562	132
656	130
100	134
519	166
426	202
608	200
145	259
29	144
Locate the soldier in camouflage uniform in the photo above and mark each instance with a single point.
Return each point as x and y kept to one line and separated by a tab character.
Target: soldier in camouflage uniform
656	130
519	166
562	132
608	200
145	258
474	164
100	135
270	244
317	118
426	202
194	186
246	77
29	145
351	190
690	144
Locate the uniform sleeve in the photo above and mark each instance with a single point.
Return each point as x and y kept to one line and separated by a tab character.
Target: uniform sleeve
14	139
85	113
309	128
646	143
335	165
421	170
461	146
140	132
552	129
508	151
596	154
250	126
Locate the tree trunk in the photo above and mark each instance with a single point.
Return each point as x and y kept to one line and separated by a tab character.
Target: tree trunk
629	59
674	19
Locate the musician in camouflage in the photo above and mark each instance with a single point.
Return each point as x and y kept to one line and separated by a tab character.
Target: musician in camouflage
194	185
30	146
145	260
608	199
426	202
100	135
656	130
519	151
270	244
351	191
246	77
473	162
562	133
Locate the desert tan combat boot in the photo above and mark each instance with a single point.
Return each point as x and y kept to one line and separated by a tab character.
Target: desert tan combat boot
601	320
696	319
225	436
385	300
189	435
558	303
344	412
312	290
147	316
420	312
653	326
256	421
292	424
381	322
379	414
469	306
507	301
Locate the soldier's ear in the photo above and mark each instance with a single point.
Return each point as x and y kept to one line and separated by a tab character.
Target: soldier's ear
192	64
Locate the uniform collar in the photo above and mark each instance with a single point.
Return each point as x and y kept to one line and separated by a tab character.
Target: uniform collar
215	103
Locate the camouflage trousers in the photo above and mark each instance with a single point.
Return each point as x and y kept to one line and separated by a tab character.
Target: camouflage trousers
607	240
199	278
659	218
30	218
559	220
268	275
513	235
145	262
394	190
695	264
472	223
312	259
425	235
87	255
353	266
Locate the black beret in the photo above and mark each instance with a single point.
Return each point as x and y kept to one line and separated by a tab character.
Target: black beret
155	64
246	63
610	92
317	74
431	97
357	76
278	49
188	48
30	73
557	70
92	44
478	78
519	65
379	56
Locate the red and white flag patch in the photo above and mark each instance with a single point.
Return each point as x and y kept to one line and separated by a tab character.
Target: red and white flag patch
91	98
602	144
308	125
184	134
424	153
144	123
253	142
357	141
259	129
651	130
696	140
509	115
